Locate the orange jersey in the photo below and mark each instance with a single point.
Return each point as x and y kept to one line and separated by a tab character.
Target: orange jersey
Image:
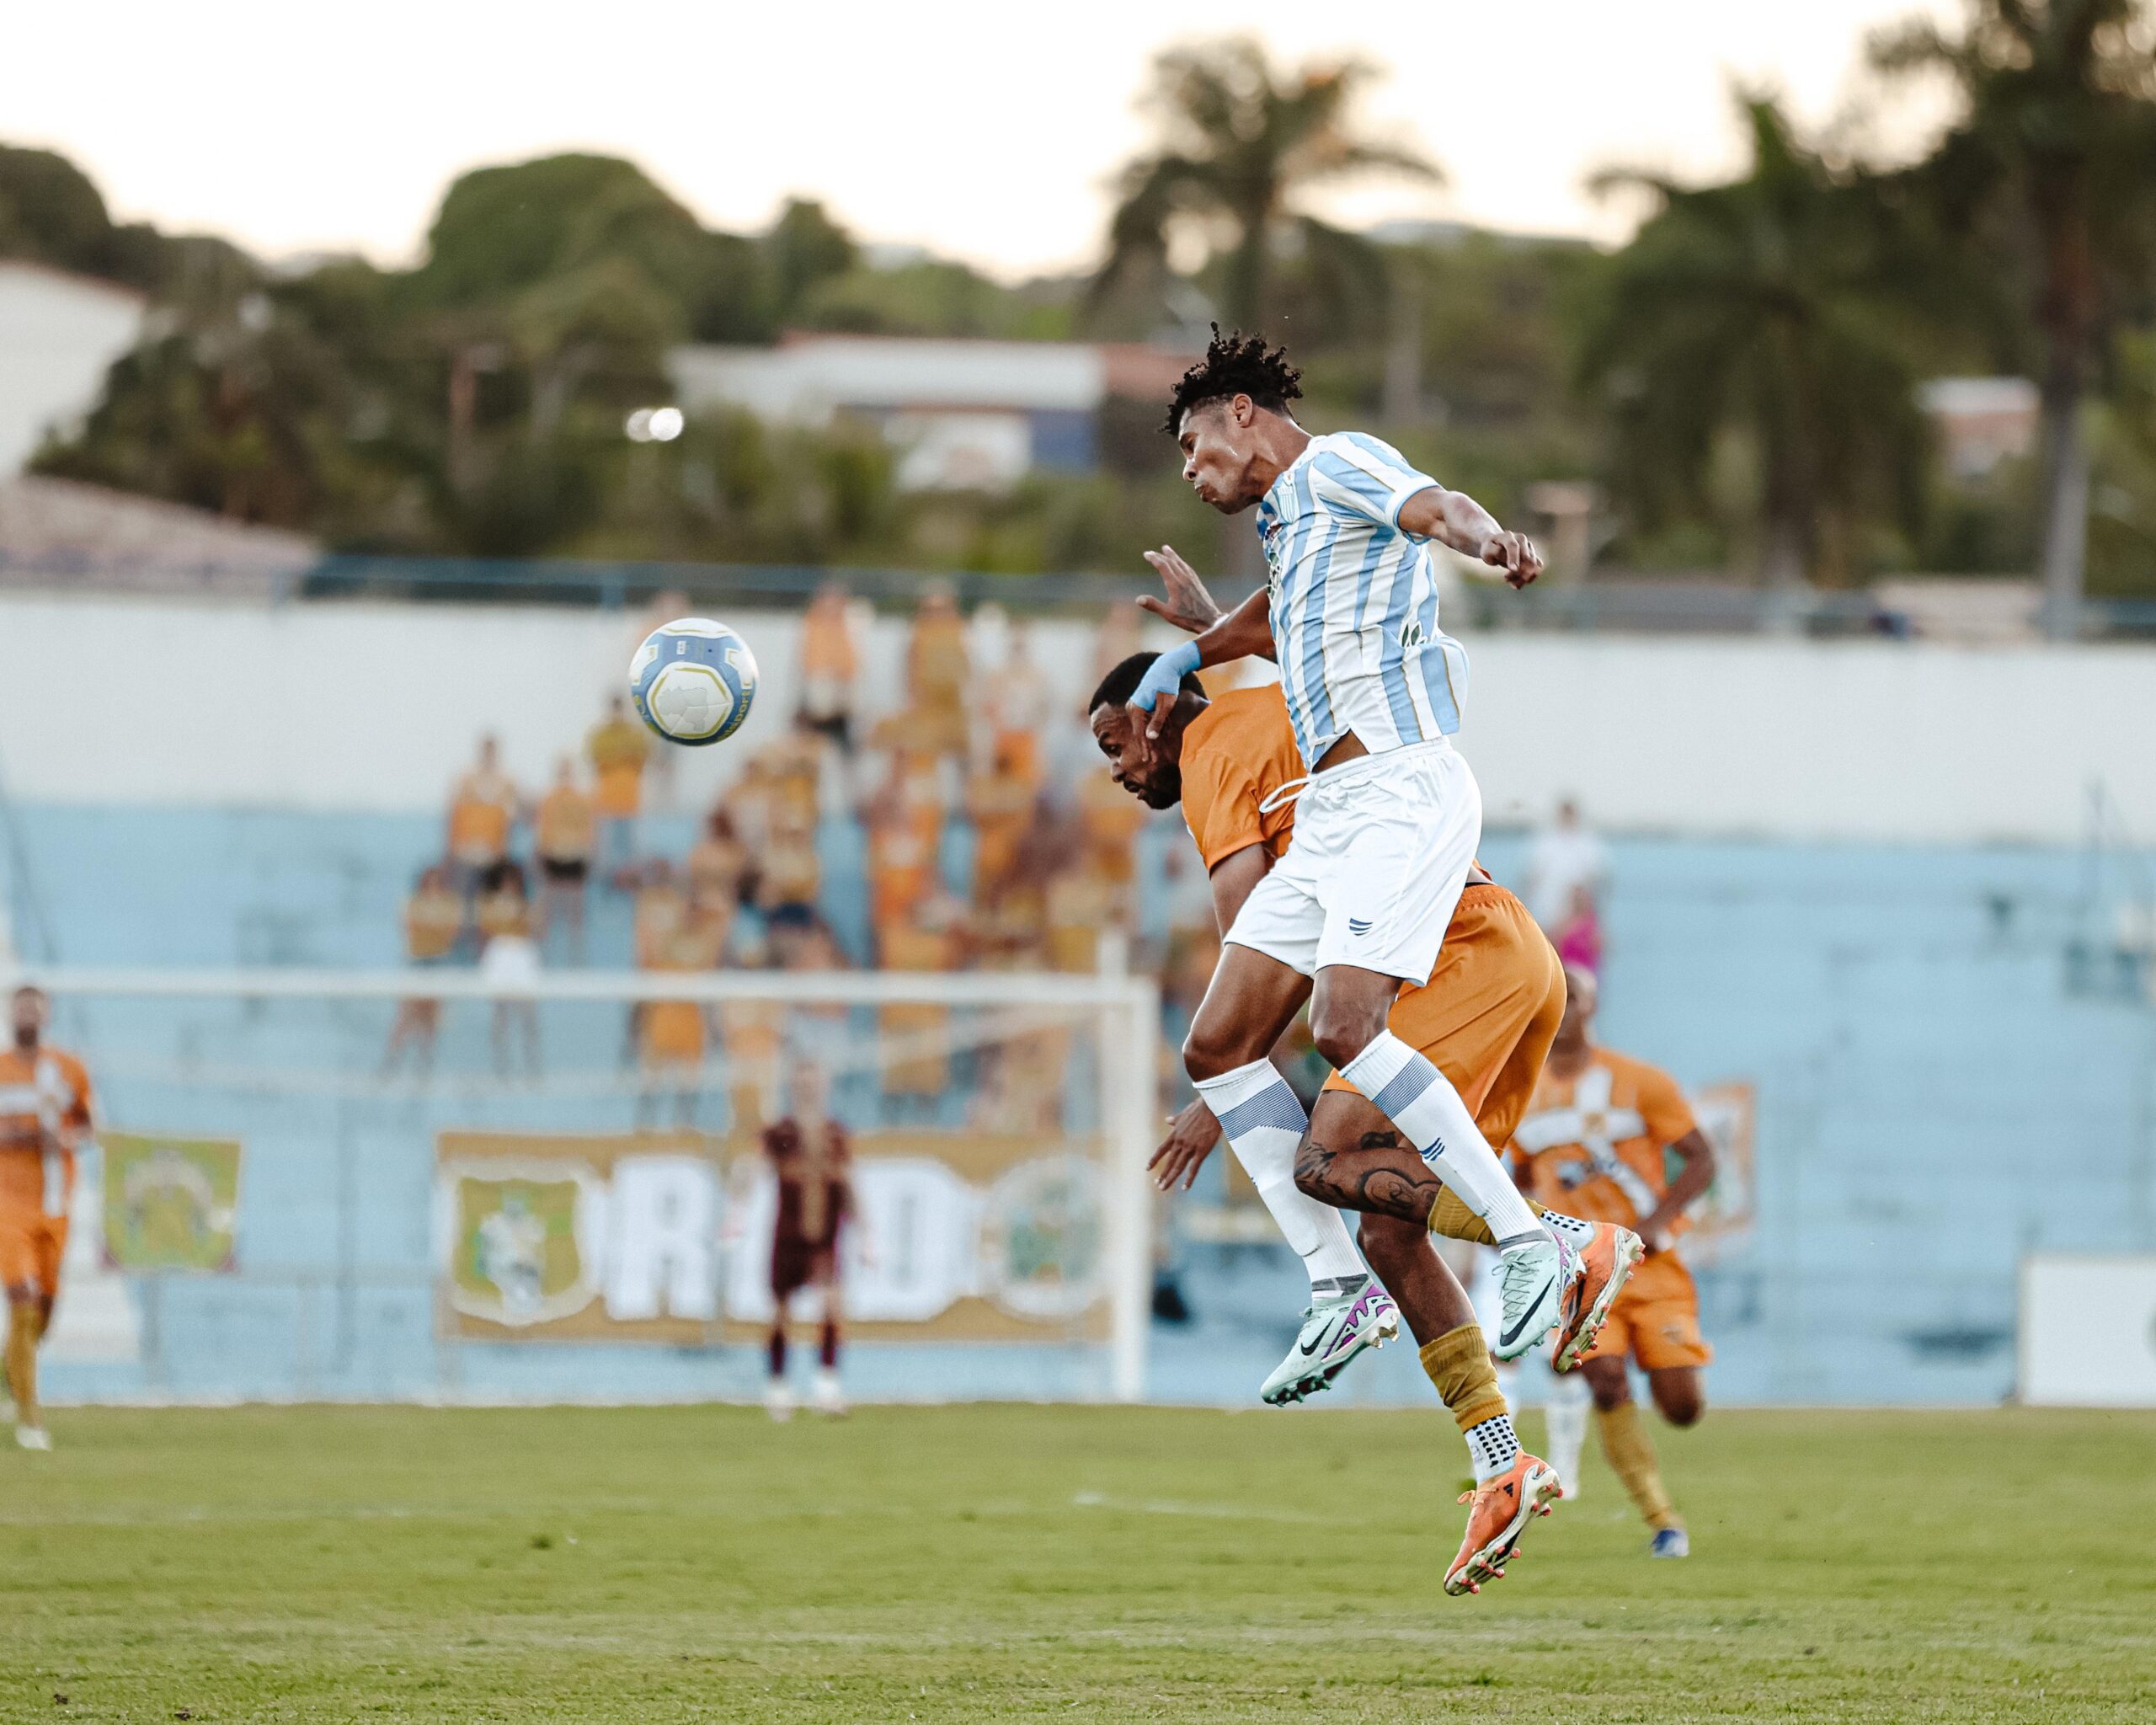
44	1112
618	749
481	812
562	831
1236	756
1593	1145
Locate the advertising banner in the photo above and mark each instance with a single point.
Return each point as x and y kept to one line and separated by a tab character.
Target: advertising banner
668	1237
170	1203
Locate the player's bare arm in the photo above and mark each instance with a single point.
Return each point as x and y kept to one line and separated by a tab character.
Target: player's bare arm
1457	521
1695	1172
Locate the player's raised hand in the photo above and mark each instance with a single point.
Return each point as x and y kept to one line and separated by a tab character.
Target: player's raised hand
1188	605
1191	1137
1155	696
1516	555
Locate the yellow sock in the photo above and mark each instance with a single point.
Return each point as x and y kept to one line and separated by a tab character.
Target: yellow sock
1624	1443
1451	1218
22	1326
1459	1364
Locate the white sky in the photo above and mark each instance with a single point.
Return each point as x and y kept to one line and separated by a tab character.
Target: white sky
985	131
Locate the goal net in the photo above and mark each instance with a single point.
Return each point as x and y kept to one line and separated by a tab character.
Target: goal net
407	1185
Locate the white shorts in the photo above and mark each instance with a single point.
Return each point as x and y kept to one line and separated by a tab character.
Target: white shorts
1374	870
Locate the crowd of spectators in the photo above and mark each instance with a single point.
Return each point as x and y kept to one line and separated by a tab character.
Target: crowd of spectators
938	830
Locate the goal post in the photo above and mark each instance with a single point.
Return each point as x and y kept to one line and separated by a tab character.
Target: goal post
427	1183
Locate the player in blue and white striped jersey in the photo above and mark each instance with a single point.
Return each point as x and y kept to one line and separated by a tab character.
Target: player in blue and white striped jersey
1390	816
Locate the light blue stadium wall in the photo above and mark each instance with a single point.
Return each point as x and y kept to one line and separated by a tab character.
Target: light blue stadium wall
1933	1101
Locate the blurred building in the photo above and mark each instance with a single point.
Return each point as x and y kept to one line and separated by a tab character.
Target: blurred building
61	534
967	415
58	334
1981	421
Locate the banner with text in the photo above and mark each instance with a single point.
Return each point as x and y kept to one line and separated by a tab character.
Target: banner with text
668	1237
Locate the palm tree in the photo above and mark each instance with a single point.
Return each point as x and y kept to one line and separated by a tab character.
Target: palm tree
2051	165
1239	140
1765	314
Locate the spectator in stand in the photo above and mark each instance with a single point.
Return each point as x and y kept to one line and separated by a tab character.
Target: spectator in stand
1082	901
564	834
830	666
1562	858
916	1035
1578	938
718	862
791	873
1116	641
618	748
508	960
662	909
905	835
755	1035
1111	820
1001	803
938	672
672	1035
433	924
1018	697
482	808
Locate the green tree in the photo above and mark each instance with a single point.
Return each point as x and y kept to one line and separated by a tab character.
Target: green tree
803	249
2050	167
1241	141
1764	318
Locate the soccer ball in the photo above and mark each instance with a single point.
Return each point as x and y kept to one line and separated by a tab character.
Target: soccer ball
693	681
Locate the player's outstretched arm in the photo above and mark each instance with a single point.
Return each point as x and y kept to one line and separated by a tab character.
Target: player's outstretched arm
1245	632
1454	519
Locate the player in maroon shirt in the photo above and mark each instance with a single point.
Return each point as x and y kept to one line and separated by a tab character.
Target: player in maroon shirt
808	1150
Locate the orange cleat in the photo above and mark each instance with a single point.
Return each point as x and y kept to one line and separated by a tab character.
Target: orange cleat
1499	1512
1606	1263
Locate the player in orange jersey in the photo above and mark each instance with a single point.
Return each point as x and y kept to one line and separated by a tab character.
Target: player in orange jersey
1600	1138
45	1116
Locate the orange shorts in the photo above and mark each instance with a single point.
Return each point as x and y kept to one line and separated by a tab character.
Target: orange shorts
1489	1012
1657	1318
31	1245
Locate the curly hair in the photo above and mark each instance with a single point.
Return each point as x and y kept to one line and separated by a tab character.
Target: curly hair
1235	364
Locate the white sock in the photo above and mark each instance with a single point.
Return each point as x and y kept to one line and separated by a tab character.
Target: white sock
1420	1100
1565	1412
1566	1227
1264	1122
1493	1446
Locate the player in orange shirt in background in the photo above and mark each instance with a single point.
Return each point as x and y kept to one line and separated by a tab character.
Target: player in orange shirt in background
45	1116
1599	1138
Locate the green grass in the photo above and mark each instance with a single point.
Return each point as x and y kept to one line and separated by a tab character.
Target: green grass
1016	1563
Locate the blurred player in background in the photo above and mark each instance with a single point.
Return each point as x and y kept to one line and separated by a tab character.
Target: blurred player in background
1487	1019
44	1117
808	1153
1613	1138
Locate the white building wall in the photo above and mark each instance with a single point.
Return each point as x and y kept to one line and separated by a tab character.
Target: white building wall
375	707
58	336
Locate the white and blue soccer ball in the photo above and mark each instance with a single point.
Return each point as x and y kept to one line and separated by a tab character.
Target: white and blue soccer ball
693	681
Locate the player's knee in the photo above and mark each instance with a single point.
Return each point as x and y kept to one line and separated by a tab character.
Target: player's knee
1611	1389
1681	1406
1214	1047
1342	1029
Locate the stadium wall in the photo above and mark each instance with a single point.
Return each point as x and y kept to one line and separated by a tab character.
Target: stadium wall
375	707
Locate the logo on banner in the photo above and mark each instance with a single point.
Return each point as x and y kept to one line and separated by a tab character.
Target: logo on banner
546	1238
525	1246
170	1203
1044	1239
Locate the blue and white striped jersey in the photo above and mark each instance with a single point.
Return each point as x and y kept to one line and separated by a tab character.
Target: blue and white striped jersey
1355	601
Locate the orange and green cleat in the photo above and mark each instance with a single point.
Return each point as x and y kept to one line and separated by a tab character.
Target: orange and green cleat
1499	1511
1606	1263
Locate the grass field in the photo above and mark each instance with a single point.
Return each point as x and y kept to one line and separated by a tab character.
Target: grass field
1068	1563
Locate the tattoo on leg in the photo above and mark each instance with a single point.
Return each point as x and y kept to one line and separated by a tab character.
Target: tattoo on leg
1376	1177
